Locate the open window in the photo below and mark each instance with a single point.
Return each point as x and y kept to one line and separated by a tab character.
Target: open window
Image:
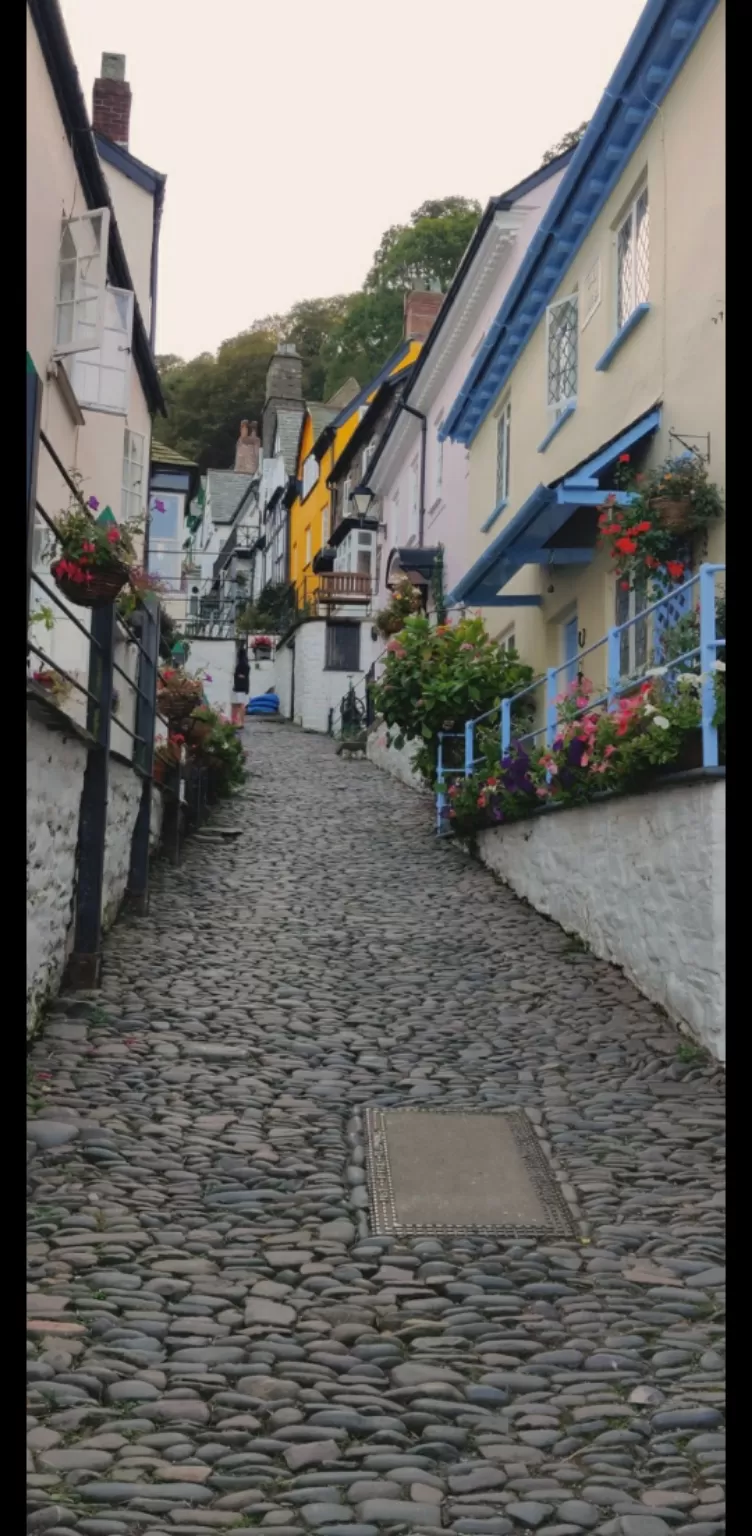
101	376
82	280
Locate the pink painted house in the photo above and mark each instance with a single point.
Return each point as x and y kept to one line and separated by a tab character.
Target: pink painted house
420	483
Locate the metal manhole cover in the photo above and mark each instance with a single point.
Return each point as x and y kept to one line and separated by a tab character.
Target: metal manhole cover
444	1173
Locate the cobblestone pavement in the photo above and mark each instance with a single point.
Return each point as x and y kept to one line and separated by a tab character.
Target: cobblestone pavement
216	1340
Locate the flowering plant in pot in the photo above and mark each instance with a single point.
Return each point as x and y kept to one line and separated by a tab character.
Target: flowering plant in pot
178	694
405	601
53	683
262	644
201	724
649	537
139	583
96	555
167	755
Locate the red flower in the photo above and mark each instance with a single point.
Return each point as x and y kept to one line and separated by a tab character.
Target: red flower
624	586
623	458
651	562
87	546
113	536
675	569
626	546
643	527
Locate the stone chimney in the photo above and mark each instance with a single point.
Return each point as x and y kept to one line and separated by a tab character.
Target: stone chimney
421	309
247	449
284	388
111	114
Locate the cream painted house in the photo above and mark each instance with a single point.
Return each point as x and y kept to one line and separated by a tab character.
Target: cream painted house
91	239
611	339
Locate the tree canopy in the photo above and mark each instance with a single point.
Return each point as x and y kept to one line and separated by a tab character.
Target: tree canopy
568	142
349	334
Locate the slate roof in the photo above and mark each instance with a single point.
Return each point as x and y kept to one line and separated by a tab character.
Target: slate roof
288	427
320	415
226	489
161	454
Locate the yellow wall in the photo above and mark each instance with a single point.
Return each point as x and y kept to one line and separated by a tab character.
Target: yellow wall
315	511
674	356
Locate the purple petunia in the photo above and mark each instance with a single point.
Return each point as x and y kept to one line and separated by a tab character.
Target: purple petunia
159	506
93	503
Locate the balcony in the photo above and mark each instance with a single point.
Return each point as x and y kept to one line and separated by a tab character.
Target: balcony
344	587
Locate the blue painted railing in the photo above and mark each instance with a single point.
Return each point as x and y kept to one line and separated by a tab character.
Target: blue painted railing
652	624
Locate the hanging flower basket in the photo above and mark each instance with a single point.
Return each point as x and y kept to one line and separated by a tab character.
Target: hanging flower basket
89	588
262	647
674	516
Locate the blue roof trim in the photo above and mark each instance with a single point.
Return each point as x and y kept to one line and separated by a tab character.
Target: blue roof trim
124	161
663	38
347	410
500	561
615	345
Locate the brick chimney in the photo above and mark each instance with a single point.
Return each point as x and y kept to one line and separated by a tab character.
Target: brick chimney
111	113
421	309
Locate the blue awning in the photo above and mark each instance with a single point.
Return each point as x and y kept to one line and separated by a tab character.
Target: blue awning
526	540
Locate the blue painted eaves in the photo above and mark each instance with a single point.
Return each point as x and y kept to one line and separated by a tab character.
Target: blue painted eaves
663	38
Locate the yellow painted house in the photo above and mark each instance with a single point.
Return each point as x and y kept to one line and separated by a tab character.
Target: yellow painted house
325	432
609	343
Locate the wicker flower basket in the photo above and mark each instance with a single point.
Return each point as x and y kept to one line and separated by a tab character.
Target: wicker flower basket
104	586
674	515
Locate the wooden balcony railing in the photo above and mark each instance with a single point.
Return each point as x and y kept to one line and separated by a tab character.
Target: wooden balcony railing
344	587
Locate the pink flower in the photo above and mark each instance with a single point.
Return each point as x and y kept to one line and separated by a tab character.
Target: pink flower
542	792
159	506
607	751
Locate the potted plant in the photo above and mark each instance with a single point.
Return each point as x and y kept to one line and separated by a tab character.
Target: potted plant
167	755
53	683
649	537
202	723
139	582
262	647
96	555
178	695
405	601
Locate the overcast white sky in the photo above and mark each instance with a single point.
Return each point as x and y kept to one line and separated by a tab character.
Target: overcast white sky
294	134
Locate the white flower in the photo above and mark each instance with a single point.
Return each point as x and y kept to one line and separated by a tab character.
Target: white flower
657	672
649	709
688	680
662	722
719	666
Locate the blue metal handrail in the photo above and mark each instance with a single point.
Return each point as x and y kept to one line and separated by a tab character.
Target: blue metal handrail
706	654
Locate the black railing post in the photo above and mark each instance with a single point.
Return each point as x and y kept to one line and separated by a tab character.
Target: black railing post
86	961
143	751
33	413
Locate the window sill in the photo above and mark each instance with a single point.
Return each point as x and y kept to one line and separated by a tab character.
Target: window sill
615	346
568	411
497	511
56	370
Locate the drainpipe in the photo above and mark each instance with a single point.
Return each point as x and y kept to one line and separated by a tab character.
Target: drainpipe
422	494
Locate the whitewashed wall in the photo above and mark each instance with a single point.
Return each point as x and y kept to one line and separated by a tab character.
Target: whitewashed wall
642	880
55	776
217	657
397	762
316	690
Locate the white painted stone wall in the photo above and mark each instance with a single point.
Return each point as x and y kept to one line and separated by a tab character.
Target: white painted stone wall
55	776
642	880
316	690
217	657
396	762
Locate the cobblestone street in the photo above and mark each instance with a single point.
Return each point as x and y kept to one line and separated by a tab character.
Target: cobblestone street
216	1337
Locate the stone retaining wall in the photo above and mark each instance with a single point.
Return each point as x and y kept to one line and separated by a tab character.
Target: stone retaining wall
55	776
397	762
641	879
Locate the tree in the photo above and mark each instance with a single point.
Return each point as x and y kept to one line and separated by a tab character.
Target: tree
568	142
369	333
426	252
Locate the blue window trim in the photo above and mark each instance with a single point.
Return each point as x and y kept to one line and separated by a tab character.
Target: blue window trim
568	411
619	339
497	511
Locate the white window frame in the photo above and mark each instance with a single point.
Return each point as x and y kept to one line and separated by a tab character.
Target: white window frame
363	541
368	453
506	640
308	546
86	300
311	469
560	404
326	518
94	371
133	491
503	443
346	484
592	291
637	296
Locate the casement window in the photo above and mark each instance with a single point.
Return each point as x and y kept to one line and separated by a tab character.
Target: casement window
101	375
633	259
507	641
82	281
342	647
364	554
561	352
308	545
346	508
310	474
166	530
633	642
325	524
132	501
503	433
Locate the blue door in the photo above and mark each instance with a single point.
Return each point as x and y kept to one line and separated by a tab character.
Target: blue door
570	650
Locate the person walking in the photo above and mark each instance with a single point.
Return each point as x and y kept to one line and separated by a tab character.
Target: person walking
241	684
